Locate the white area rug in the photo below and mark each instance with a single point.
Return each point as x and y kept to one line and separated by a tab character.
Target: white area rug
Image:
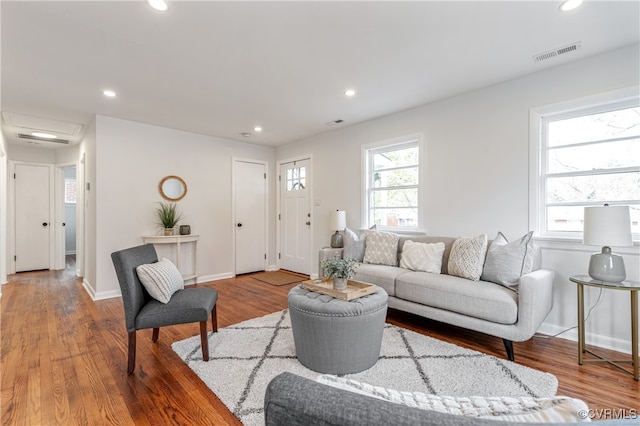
246	356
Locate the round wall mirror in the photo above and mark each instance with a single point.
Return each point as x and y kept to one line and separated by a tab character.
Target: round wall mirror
172	188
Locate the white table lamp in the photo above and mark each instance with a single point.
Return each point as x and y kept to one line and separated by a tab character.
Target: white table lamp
607	226
338	223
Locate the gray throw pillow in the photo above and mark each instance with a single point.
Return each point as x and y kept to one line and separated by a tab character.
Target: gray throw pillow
354	244
508	261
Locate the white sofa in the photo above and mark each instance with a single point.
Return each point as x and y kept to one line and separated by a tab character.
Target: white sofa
494	309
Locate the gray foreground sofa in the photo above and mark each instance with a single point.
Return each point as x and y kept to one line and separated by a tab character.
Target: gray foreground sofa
481	306
292	400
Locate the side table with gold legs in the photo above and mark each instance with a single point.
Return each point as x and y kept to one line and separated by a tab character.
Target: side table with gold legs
632	287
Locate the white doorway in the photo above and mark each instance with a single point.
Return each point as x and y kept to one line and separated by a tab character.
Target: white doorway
250	215
66	214
295	216
33	212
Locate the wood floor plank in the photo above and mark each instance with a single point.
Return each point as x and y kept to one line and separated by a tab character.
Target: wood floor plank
64	357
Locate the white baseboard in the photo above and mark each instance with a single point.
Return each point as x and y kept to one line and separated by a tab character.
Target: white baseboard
100	295
606	342
272	268
89	288
214	277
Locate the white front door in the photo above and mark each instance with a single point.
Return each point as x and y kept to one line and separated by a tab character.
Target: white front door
250	225
295	216
32	217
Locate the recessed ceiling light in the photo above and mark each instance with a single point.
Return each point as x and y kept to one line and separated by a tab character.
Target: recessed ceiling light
570	5
245	134
43	135
160	5
109	93
257	129
349	92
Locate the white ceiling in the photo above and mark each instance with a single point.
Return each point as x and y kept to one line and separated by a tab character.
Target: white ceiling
221	68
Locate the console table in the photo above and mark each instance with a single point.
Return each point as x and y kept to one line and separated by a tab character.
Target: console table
632	287
178	240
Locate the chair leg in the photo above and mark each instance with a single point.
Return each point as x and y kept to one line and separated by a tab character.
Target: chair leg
156	332
204	340
132	352
214	318
508	345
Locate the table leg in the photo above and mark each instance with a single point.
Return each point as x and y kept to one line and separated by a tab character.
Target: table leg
581	331
634	332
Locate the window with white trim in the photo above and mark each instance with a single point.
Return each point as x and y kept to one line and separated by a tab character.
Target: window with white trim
392	180
589	156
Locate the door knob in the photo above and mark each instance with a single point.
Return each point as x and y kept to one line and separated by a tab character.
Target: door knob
239	225
308	223
45	224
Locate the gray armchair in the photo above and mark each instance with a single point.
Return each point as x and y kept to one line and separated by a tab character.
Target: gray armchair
141	311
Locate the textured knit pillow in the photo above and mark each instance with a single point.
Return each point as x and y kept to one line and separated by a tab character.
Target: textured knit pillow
557	409
354	244
422	256
467	257
161	279
381	248
508	261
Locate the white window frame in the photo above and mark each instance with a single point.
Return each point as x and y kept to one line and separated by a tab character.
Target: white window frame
538	117
367	153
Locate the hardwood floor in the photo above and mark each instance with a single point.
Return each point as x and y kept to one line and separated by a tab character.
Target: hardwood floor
63	357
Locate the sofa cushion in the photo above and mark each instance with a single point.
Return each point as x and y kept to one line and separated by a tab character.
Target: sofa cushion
479	299
381	275
354	244
381	248
448	243
422	256
506	408
507	261
467	257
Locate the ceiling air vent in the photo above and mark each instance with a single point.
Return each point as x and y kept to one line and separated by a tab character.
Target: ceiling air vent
37	139
573	47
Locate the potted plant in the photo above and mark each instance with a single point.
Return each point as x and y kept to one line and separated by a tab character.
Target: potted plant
340	271
168	217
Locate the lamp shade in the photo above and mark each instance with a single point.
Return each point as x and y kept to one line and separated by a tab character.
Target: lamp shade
338	220
607	226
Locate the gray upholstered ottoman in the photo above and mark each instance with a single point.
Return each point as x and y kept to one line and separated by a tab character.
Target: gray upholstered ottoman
335	336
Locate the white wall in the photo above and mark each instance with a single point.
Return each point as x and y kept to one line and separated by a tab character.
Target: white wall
4	170
477	170
87	164
132	158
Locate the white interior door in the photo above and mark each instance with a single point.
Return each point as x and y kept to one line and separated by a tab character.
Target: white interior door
32	217
250	200
295	216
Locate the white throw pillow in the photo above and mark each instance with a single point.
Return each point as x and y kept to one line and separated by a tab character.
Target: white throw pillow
509	409
381	248
467	257
161	279
422	256
508	261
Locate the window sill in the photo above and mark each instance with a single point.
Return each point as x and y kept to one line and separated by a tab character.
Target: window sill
575	244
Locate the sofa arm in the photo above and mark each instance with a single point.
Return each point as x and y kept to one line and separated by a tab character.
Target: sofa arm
535	300
295	401
326	253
